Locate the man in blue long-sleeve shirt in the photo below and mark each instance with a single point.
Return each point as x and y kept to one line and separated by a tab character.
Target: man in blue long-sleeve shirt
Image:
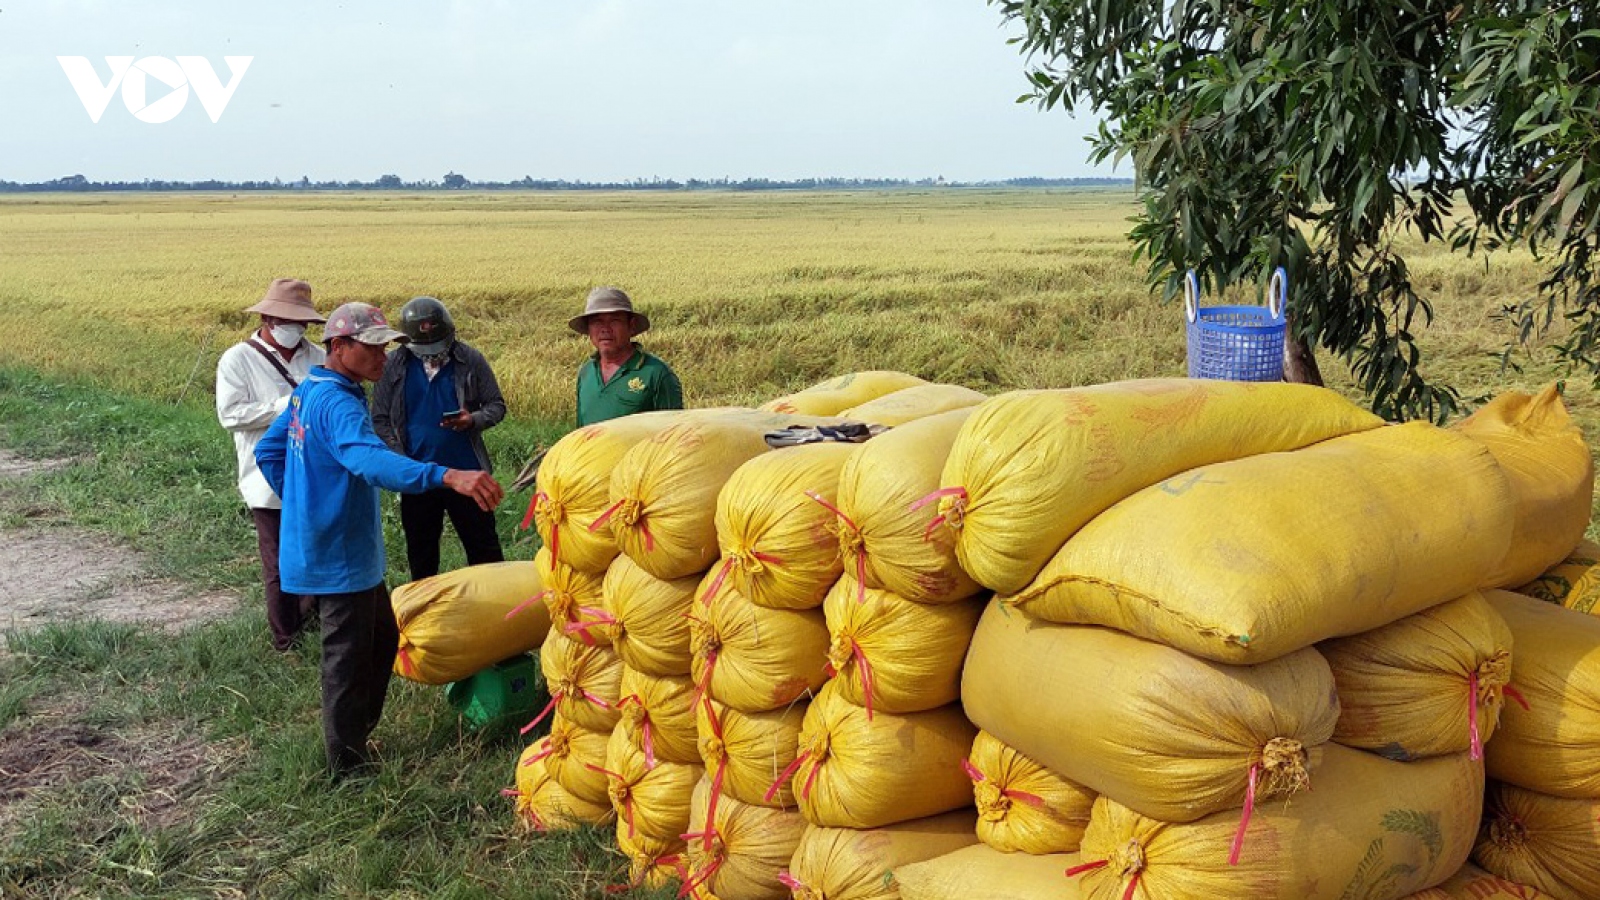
326	462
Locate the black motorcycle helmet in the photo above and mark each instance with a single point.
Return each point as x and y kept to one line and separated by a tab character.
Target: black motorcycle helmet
428	324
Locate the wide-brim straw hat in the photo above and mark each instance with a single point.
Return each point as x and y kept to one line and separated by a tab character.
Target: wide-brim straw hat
288	299
604	300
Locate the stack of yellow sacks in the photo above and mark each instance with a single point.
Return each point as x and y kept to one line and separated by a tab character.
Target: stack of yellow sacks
1245	579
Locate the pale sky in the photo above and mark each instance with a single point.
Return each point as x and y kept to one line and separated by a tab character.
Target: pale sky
599	90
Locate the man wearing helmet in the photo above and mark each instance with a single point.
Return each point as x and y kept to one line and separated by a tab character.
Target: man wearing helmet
254	378
436	398
323	458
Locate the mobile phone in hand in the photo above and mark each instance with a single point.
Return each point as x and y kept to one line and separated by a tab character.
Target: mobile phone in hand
447	417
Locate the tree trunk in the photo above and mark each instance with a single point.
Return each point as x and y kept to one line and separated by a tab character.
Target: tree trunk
1300	362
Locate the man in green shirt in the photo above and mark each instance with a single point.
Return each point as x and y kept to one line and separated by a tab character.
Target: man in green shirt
620	378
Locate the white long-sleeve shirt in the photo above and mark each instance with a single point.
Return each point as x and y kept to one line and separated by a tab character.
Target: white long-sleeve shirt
250	394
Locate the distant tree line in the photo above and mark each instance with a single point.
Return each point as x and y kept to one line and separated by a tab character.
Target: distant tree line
454	181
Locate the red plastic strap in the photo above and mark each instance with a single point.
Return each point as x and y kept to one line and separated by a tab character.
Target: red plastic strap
649	747
554	699
603	771
1033	800
1244	820
716	583
703	689
1132	885
649	539
711	716
861	575
605	517
767	558
711	803
867	687
538	756
835	510
601	617
593	699
1075	871
555	544
533	506
405	662
972	771
511	792
938	495
1516	695
1472	716
816	766
705	876
789	881
785	775
526	603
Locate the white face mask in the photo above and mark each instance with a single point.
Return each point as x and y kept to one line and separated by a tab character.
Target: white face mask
287	335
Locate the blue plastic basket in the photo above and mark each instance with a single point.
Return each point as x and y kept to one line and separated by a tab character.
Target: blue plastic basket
1237	343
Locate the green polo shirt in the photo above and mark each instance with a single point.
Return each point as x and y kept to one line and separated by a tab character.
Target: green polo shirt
643	384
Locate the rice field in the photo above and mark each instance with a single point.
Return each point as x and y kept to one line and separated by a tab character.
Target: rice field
752	295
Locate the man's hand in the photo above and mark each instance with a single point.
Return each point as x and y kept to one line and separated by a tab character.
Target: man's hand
480	486
461	421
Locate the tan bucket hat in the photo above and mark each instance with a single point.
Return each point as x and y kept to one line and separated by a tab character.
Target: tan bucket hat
608	299
288	299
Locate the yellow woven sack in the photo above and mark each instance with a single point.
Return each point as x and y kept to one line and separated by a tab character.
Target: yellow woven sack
584	681
855	772
772	525
1372	828
664	493
544	805
1548	733
1171	735
461	622
745	753
1244	561
848	864
576	758
1473	883
574	599
649	628
1546	842
736	850
1574	583
913	403
1031	467
658	716
1551	472
891	655
1022	806
651	801
753	658
842	392
1426	685
887	540
984	873
574	487
652	864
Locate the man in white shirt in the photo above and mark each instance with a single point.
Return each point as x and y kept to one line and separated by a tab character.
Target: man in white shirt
254	380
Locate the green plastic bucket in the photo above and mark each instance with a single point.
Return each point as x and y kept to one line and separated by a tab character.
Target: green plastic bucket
504	690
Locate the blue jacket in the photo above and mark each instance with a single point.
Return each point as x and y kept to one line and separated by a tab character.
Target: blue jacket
323	458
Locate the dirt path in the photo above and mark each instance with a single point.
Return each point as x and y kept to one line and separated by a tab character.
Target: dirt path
55	573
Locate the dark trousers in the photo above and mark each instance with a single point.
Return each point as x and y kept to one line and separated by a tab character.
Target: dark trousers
422	518
359	643
286	613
